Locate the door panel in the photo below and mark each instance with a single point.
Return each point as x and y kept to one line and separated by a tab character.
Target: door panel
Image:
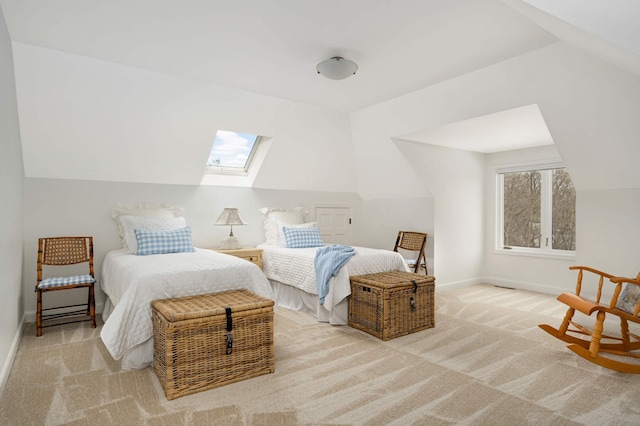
334	224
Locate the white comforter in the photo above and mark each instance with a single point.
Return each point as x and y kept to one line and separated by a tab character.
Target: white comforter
295	267
131	282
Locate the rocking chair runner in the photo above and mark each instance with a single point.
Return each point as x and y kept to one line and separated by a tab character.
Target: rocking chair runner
624	304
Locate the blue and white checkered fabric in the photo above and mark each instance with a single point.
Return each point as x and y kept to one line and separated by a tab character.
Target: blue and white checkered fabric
161	242
64	281
302	237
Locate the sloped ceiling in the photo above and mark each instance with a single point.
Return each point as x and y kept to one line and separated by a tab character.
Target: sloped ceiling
189	68
517	128
272	47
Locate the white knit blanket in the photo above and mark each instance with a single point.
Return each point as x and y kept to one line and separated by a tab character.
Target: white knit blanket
295	267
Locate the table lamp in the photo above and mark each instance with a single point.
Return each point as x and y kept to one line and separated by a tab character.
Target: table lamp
230	216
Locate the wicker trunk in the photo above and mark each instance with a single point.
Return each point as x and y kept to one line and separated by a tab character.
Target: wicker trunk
391	304
192	348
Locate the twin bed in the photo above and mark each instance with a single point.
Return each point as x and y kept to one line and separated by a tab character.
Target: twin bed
292	275
132	281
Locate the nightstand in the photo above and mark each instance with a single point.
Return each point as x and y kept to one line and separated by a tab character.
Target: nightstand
251	254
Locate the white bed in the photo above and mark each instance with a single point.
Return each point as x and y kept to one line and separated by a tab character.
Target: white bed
291	272
131	282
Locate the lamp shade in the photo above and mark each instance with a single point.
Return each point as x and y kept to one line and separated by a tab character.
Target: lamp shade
337	68
230	216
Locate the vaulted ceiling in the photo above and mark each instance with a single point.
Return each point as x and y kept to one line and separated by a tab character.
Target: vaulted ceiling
272	47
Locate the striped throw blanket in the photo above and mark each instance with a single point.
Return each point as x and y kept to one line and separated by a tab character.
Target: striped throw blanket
328	261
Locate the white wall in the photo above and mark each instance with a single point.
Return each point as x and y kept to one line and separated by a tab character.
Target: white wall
606	234
383	218
74	207
608	231
83	118
107	121
455	178
590	108
11	222
512	270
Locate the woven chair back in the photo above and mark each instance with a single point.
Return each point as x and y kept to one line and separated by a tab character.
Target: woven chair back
412	240
64	250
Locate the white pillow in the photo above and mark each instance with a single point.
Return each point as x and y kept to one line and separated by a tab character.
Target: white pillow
282	241
290	217
153	223
143	209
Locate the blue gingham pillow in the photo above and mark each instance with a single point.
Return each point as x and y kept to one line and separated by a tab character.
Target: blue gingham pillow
161	242
302	237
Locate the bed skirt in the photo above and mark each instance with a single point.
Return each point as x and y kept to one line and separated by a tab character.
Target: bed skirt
293	298
141	355
286	296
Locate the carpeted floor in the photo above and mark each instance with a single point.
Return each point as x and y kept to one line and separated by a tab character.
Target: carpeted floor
485	363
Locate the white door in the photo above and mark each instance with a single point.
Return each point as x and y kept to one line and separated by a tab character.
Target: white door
334	223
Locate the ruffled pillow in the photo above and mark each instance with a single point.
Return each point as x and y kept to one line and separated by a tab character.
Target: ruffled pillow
142	209
291	217
153	223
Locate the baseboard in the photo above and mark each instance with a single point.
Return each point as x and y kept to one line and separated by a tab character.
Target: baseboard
521	285
500	282
13	350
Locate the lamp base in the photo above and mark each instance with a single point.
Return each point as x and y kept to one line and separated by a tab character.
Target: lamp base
229	243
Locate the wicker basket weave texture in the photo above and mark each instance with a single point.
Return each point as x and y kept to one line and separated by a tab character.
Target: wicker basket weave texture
392	304
190	341
412	241
65	250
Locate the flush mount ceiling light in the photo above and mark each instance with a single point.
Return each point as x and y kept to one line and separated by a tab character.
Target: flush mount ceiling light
337	68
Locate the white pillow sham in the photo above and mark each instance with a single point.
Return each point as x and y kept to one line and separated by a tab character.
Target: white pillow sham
282	241
290	217
143	209
152	223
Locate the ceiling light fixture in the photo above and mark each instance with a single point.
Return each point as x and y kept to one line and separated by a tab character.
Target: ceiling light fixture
337	68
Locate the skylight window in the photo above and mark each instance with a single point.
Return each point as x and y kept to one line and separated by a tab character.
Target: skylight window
232	152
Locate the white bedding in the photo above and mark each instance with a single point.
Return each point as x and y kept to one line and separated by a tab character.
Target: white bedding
131	282
295	267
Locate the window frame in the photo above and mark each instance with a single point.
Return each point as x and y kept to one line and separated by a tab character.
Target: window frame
546	249
235	171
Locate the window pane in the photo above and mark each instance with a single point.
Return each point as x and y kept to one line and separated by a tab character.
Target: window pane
231	149
564	211
522	202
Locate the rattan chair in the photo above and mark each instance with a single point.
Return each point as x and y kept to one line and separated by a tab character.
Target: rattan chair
60	252
618	352
413	241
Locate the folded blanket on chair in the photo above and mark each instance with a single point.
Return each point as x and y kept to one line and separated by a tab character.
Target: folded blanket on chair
328	261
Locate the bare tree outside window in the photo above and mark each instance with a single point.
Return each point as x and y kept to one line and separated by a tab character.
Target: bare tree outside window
564	211
522	209
531	222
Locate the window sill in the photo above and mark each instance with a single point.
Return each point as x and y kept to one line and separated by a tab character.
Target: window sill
540	254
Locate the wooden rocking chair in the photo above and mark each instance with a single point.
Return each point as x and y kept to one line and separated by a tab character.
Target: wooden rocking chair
624	304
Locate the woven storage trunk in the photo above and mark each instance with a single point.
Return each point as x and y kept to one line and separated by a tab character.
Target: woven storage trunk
391	304
191	350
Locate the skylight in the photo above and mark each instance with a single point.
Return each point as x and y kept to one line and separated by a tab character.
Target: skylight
232	152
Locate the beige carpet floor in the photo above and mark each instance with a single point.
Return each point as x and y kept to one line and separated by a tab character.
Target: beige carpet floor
484	363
